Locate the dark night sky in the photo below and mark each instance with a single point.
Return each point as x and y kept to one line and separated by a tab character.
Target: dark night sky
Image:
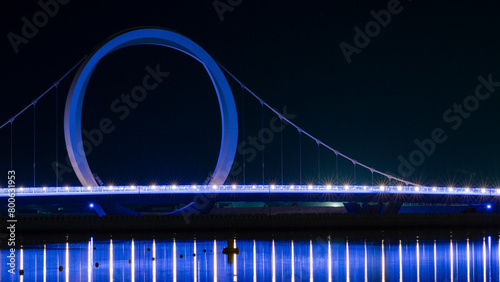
394	91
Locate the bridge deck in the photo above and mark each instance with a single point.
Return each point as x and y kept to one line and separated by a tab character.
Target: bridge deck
340	192
246	189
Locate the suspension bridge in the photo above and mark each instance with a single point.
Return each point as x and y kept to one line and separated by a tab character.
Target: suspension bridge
388	192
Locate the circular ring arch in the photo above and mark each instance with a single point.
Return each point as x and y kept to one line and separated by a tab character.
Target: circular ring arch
149	36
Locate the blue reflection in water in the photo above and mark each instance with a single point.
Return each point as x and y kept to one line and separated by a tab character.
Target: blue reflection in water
328	259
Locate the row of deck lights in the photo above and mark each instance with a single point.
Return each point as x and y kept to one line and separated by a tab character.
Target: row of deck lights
291	187
329	187
347	187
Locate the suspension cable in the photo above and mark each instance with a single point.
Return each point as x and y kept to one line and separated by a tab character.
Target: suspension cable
337	168
319	167
34	144
43	94
57	135
243	133
300	157
354	164
263	146
314	138
281	132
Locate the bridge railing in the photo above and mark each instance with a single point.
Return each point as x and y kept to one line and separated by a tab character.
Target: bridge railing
79	190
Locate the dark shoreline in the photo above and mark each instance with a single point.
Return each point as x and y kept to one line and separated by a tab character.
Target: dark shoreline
252	222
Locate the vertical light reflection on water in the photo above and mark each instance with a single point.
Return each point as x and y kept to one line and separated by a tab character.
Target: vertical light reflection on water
67	262
273	254
235	268
435	262
255	261
174	247
484	259
329	261
195	276
366	264
21	264
44	263
347	274
451	259
57	263
400	250
154	259
215	261
383	262
132	268
456	256
293	262
311	267
473	260
111	260
468	261
308	261
489	258
89	263
418	261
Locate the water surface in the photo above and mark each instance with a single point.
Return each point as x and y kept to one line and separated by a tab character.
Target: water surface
319	258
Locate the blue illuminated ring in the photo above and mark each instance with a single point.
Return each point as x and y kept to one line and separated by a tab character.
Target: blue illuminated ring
149	36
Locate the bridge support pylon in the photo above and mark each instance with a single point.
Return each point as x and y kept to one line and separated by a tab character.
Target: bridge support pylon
355	207
193	208
113	209
392	207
